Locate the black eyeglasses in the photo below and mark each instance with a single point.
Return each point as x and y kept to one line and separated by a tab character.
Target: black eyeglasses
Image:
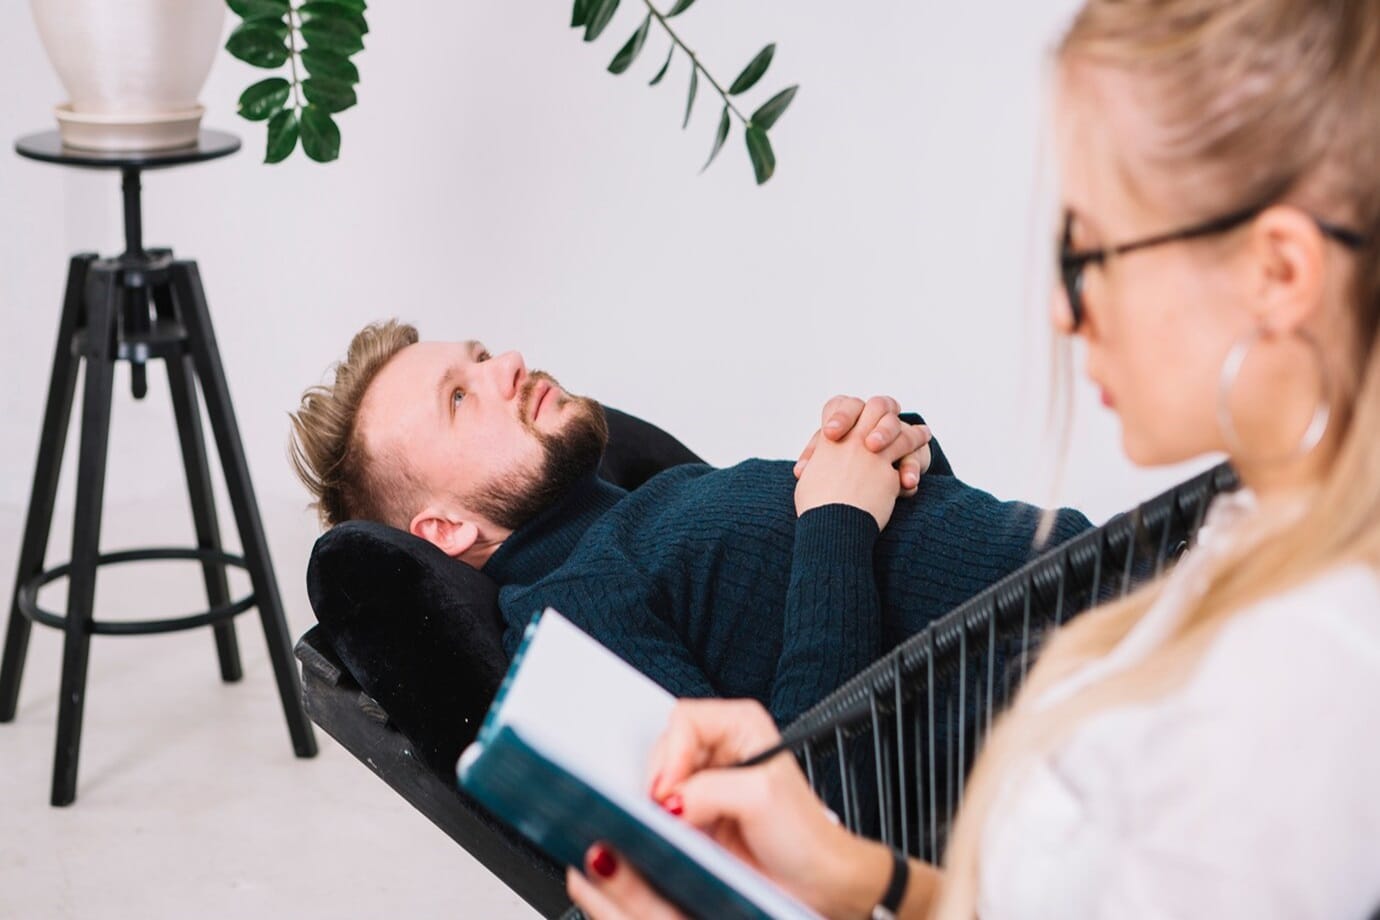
1072	263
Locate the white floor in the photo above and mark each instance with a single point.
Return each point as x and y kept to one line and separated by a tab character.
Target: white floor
190	802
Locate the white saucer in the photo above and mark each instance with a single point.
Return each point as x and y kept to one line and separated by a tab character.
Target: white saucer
125	132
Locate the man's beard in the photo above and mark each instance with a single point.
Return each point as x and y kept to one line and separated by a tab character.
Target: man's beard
514	498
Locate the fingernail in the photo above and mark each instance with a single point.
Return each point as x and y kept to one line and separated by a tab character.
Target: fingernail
833	425
601	861
912	479
656	784
674	804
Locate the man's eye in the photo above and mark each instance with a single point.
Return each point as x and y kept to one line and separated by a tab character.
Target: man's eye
458	395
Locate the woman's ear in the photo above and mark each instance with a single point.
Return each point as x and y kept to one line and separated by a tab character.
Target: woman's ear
1288	262
452	536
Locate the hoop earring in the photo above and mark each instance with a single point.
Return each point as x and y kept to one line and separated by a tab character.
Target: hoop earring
1231	369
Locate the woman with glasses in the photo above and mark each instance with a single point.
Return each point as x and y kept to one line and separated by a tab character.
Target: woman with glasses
1210	746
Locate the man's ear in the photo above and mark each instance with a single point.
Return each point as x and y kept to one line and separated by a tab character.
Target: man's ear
1289	258
454	537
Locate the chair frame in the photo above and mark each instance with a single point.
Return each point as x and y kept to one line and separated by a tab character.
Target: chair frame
937	693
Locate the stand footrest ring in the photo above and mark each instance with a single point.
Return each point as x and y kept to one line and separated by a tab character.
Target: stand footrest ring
28	594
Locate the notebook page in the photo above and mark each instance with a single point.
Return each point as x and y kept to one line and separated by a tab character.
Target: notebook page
586	708
581	706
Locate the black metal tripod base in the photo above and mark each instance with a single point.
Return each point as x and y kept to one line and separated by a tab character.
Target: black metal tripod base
137	308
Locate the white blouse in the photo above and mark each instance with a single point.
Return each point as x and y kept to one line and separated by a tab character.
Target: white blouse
1253	791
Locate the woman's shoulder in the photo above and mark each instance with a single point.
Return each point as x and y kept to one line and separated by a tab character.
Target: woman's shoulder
1328	623
1297	670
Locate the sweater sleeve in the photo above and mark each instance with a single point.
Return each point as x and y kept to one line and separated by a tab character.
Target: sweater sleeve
620	613
832	627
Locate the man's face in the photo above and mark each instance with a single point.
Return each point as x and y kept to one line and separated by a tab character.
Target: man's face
480	434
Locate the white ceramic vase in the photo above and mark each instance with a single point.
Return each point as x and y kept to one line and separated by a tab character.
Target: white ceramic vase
132	68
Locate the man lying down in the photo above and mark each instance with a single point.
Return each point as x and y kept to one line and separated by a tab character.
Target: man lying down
736	582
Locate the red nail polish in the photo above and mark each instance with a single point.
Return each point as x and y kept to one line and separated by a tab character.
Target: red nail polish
674	804
602	861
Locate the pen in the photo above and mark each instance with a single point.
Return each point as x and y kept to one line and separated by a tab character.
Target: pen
768	754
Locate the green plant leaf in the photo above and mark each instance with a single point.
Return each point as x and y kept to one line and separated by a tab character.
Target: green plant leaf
259	9
329	64
282	136
358	6
760	152
264	98
317	9
600	12
256	43
773	108
632	48
579	16
694	87
753	71
328	33
680	7
724	125
330	95
660	74
320	136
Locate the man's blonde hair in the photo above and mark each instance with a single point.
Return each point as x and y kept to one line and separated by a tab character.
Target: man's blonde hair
327	450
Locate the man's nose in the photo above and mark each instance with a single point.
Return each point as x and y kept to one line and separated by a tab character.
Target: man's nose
509	371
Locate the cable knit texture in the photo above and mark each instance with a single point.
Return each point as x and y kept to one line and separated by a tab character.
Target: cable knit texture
705	580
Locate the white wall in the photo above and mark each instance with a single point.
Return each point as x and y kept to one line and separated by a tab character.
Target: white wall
497	183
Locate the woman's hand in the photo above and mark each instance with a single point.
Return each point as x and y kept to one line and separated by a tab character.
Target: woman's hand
610	889
766	815
879	425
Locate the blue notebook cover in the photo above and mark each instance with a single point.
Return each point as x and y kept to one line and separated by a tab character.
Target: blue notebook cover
526	768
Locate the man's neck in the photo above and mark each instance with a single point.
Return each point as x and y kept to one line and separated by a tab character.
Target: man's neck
545	542
478	555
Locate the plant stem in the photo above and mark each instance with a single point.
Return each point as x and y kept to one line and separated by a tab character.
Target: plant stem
292	55
694	61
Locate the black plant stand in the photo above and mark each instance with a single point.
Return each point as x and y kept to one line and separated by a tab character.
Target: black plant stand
138	306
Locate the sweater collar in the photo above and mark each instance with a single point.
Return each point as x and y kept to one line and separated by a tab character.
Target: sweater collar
545	542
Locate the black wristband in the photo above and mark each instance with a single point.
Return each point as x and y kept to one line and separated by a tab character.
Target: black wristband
895	891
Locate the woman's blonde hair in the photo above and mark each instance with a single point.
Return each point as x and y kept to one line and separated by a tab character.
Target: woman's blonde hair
1251	101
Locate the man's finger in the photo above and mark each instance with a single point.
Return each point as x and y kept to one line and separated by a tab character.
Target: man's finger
874	410
909	440
884	433
806	454
911	468
840	416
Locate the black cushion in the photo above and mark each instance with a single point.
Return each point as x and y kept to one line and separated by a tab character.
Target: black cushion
421	632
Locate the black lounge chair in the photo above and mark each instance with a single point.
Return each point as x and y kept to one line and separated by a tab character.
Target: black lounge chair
889	750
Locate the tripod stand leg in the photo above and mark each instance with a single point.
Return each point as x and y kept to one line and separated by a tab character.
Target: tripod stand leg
187	410
191	304
51	443
101	303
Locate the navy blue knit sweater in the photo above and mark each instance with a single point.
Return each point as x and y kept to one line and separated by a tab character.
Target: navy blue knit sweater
705	580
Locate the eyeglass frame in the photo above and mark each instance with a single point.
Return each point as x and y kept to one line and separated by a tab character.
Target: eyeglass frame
1072	263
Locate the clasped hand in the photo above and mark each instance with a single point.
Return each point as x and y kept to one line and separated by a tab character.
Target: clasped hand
863	455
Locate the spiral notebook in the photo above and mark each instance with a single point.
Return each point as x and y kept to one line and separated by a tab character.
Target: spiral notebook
562	757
